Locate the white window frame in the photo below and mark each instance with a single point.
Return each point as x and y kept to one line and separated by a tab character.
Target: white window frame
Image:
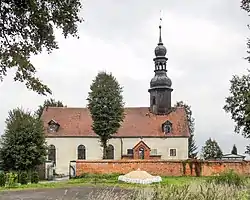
176	153
153	153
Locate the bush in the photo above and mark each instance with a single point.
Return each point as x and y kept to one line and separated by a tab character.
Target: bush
2	179
34	177
230	178
23	178
11	179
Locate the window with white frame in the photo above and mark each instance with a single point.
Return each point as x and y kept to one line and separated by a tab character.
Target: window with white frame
153	152
172	152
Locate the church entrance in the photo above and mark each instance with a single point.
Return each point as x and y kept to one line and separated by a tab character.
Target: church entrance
141	151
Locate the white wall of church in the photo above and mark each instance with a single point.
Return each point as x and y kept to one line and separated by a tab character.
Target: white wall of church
162	146
66	148
66	151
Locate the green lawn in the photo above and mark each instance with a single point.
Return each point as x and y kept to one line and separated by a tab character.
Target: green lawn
103	181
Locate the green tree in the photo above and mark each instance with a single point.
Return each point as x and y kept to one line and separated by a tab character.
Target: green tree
192	148
27	28
238	104
106	106
23	145
48	102
234	150
211	150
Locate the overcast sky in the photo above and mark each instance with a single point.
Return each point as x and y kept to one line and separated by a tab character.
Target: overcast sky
205	42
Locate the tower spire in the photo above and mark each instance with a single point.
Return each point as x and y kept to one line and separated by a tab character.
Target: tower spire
160	39
160	85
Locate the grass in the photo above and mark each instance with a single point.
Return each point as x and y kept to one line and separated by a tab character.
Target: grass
174	188
103	181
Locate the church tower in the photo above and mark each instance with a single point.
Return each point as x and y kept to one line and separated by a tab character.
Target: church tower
160	85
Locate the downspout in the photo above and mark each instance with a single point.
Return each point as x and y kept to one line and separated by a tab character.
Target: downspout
121	147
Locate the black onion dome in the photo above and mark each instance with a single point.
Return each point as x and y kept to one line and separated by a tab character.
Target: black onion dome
160	50
161	81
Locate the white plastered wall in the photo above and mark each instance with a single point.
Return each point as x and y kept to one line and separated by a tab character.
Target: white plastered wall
66	148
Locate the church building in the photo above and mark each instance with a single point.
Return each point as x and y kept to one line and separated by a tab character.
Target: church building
155	132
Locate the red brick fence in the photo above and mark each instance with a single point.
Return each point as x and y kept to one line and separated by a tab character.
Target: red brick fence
163	167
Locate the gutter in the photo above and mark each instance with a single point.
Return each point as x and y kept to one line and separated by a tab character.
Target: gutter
121	147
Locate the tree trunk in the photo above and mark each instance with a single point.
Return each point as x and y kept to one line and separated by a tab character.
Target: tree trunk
104	144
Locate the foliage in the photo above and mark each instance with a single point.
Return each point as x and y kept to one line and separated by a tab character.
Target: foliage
238	103
11	179
34	178
23	178
211	150
106	106
192	148
2	179
234	150
48	102
27	28
191	192
23	144
230	178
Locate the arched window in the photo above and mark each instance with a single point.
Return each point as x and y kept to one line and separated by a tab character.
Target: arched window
52	153
81	152
110	152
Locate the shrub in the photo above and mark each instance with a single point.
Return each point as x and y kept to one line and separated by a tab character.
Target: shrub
34	177
230	178
11	179
2	179
23	178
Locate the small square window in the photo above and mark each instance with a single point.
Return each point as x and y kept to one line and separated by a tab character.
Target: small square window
130	151
172	152
153	152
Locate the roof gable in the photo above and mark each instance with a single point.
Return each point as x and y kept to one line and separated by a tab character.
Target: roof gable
138	122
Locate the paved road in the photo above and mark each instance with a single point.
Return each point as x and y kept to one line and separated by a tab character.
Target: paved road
75	193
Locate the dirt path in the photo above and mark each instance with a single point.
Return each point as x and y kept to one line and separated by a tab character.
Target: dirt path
75	193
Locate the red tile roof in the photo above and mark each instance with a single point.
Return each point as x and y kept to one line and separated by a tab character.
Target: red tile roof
138	122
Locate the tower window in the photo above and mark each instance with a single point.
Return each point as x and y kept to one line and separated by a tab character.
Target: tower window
154	100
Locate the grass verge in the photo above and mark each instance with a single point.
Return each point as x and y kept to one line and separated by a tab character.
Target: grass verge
103	181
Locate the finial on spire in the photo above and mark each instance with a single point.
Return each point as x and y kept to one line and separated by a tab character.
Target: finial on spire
161	14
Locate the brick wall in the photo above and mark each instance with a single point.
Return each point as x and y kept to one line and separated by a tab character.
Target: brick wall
162	167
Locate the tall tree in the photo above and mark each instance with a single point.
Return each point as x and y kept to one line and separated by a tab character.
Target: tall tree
48	102
27	28
234	150
192	148
23	145
238	104
106	106
211	150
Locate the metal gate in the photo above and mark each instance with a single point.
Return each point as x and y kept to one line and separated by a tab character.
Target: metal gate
72	169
